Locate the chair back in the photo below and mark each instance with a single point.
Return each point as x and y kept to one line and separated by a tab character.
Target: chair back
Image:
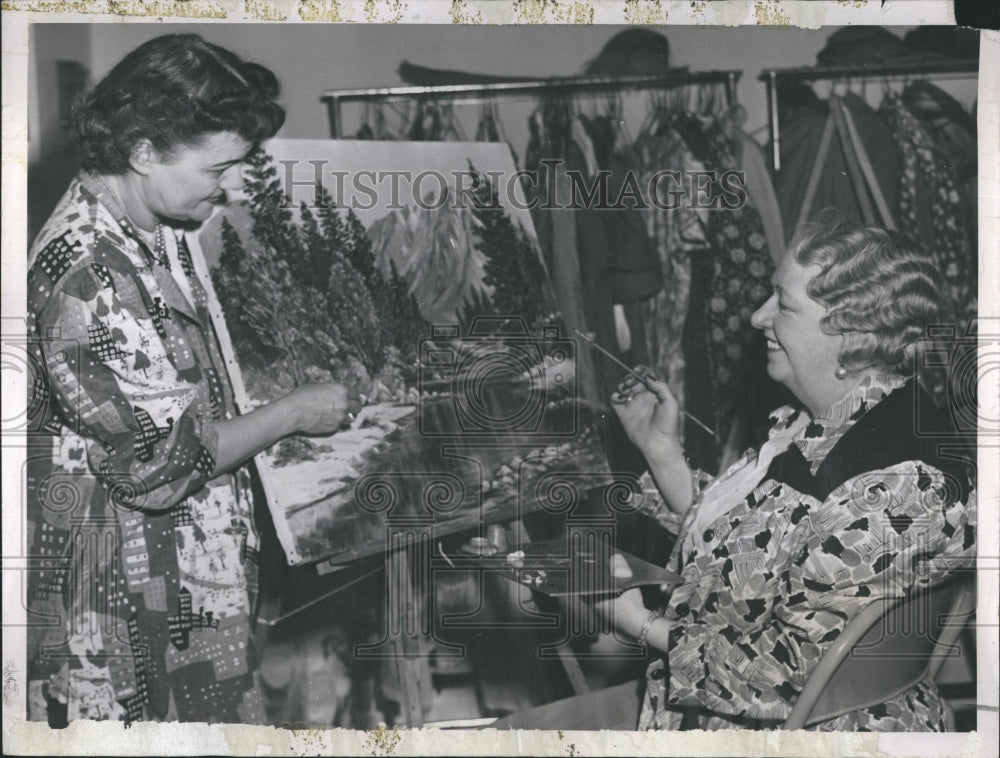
885	650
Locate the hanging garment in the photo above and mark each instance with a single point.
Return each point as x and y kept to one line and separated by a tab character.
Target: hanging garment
800	142
931	206
751	161
677	234
947	121
618	264
953	131
717	269
619	270
555	225
738	281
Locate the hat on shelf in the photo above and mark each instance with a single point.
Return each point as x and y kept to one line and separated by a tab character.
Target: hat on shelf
862	44
943	41
632	52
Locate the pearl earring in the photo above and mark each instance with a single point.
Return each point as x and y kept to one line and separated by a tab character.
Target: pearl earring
840	373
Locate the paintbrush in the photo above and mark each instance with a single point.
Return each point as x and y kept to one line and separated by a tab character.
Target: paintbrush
593	343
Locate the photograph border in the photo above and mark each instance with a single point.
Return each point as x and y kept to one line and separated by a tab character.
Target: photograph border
21	737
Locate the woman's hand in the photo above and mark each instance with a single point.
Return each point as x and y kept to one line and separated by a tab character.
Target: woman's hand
627	611
652	420
651	417
308	409
321	408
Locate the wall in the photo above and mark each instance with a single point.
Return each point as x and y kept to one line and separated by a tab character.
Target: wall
48	44
312	58
52	157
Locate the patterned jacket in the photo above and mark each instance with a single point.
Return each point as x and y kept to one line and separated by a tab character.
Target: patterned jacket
858	507
146	567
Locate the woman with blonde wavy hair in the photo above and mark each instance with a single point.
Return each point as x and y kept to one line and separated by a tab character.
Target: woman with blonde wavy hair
847	501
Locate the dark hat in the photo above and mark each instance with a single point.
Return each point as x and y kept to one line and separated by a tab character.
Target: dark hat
946	41
861	44
632	52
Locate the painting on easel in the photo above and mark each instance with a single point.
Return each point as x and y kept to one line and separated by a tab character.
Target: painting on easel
424	291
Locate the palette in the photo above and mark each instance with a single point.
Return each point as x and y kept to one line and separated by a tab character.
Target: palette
551	569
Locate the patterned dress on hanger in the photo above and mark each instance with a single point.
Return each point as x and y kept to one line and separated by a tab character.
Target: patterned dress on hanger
930	207
676	233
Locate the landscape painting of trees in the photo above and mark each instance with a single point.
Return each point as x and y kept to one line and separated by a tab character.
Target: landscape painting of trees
429	298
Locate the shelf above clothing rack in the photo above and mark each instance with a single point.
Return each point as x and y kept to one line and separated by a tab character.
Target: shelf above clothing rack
939	69
554	86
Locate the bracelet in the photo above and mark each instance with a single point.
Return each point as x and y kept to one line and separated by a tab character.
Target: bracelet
641	639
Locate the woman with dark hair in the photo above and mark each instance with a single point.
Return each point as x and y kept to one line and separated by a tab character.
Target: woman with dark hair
137	506
846	502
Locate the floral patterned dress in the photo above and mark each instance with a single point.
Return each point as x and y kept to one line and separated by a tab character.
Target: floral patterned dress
850	512
717	270
932	207
146	575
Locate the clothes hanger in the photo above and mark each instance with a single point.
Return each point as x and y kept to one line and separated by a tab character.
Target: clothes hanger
379	127
886	88
536	125
681	95
651	117
414	124
732	120
704	100
672	106
616	112
483	130
450	123
497	121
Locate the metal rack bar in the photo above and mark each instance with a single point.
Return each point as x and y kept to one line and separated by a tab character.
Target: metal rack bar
566	85
939	69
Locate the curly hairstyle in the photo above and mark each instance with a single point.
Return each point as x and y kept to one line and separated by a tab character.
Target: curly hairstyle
880	288
174	90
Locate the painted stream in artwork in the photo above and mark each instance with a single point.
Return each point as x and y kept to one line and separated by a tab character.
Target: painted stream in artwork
441	462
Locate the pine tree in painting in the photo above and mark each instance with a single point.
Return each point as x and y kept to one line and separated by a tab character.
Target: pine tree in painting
396	314
344	299
261	292
272	312
401	317
230	280
273	225
513	267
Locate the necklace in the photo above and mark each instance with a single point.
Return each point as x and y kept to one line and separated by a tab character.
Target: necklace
155	241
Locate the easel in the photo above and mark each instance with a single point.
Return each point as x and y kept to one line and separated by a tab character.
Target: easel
859	168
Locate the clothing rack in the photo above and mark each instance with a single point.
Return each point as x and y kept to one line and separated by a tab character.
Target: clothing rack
553	86
952	68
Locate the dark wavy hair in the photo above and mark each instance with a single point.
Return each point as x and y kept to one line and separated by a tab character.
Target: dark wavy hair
880	288
174	90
